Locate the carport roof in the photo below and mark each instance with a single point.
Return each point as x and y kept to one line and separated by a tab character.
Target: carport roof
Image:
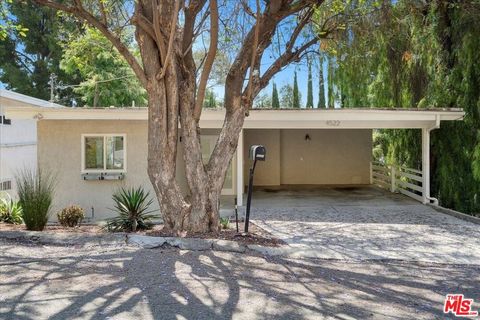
19	106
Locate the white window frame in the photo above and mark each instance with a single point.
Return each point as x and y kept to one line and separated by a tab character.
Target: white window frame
104	136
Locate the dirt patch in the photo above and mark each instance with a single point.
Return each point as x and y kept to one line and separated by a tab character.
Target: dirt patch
256	235
84	228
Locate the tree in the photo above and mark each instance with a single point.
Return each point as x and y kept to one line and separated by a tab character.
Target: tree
263	101
286	94
330	83
210	99
428	58
275	100
321	85
295	94
109	80
30	50
166	32
309	86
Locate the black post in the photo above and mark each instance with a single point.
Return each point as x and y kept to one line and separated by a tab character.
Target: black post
236	213
249	197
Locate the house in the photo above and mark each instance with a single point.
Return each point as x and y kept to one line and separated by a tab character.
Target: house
18	138
94	151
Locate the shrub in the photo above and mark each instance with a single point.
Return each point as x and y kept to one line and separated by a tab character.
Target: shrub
70	216
35	193
10	211
225	223
131	205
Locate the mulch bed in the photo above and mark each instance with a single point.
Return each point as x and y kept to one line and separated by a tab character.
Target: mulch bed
256	234
85	228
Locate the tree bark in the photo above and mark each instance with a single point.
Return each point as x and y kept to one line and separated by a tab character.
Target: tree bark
168	73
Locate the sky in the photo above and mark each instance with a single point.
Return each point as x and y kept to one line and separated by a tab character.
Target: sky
282	78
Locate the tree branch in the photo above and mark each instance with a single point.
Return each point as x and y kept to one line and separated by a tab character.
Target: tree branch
254	52
80	12
282	61
207	68
173	29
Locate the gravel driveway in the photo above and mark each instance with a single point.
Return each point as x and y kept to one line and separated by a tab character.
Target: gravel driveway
118	282
364	223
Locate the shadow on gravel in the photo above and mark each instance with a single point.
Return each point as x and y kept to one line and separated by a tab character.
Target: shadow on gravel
169	284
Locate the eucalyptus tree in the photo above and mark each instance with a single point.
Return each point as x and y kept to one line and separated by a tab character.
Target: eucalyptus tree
166	32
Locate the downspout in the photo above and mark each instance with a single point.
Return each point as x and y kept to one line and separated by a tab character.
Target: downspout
429	130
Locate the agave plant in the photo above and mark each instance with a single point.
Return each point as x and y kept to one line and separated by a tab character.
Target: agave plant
10	211
131	205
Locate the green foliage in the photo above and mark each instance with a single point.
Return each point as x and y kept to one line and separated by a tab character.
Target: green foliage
275	100
30	48
321	85
296	94
210	100
309	87
10	211
35	191
413	54
287	97
71	216
109	80
225	223
132	208
263	101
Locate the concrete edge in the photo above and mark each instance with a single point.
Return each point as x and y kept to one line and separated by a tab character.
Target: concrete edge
194	244
57	238
455	214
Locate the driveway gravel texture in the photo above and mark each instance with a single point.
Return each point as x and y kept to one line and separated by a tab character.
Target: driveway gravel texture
364	223
116	281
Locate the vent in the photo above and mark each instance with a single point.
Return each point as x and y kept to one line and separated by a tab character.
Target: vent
6	185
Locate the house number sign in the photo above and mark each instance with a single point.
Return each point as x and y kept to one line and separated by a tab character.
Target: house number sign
333	123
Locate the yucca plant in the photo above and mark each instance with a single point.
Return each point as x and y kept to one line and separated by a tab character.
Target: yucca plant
131	205
35	193
10	211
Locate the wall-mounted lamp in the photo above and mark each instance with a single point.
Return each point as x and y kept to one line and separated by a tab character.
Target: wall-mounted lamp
307	137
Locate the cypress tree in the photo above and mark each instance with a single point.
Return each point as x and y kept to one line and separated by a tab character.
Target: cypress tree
321	86
331	93
296	96
309	86
275	100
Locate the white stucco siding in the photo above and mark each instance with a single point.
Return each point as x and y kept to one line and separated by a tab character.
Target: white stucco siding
18	150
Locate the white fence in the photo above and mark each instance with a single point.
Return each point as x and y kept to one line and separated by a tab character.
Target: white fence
398	179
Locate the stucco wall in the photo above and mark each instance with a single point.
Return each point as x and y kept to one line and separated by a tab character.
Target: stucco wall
59	149
329	157
267	173
18	149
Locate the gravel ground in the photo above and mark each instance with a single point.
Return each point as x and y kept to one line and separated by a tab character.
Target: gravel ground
120	282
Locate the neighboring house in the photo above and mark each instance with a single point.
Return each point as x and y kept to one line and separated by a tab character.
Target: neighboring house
18	138
94	151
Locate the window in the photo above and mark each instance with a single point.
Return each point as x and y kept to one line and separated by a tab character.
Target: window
5	121
103	153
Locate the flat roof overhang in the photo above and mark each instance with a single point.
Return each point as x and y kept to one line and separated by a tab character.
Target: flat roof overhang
352	118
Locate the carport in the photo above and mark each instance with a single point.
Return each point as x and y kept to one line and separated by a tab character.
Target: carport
309	148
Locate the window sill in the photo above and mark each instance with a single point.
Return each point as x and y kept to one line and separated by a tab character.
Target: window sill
101	176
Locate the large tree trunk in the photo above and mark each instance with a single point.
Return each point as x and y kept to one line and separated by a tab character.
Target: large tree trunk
168	73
